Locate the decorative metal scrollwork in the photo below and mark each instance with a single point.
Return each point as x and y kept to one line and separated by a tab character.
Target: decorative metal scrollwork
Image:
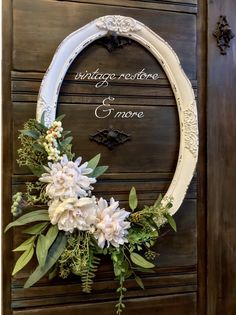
223	34
111	137
112	41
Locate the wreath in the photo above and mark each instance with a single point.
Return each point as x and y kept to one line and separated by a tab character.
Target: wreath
70	228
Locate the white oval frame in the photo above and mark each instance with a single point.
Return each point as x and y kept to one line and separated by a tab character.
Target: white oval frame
73	44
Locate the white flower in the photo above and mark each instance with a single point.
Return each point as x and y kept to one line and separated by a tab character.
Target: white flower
72	213
66	179
111	226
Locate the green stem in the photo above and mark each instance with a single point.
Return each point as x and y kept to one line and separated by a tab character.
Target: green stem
120	305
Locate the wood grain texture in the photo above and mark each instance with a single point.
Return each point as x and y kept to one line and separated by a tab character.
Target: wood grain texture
173	288
33	33
25	87
202	167
189	6
146	143
221	160
181	303
7	257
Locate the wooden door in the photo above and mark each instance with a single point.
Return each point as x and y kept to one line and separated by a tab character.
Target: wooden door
34	30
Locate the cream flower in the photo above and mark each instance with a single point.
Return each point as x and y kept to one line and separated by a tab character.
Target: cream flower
66	179
111	226
72	213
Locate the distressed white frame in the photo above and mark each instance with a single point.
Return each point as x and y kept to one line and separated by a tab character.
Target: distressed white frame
73	44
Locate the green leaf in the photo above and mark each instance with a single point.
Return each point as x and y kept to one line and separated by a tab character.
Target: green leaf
38	215
25	245
41	251
152	224
36	229
94	161
140	261
65	133
23	260
44	243
40	126
139	282
52	273
37	170
59	118
66	141
51	235
53	255
133	200
171	221
42	119
31	133
38	147
158	201
99	171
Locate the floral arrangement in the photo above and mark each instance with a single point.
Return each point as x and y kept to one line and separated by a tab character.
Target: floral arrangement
72	228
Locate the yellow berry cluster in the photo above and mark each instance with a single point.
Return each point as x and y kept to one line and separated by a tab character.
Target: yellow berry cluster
51	144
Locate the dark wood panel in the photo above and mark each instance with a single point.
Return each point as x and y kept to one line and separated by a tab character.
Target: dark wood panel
148	185
6	155
180	249
44	17
189	6
25	87
146	143
201	166
164	305
221	161
34	43
102	291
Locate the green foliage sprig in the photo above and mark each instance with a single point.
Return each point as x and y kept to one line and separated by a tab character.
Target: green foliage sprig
77	252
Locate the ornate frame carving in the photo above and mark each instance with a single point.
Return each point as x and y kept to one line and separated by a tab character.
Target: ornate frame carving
128	27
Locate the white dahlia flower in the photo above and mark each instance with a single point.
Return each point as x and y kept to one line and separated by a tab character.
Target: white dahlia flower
111	226
72	213
66	179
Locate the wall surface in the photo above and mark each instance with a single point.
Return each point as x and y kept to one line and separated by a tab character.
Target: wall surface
195	271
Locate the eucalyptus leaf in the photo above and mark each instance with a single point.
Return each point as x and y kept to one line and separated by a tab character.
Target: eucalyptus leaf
36	229
66	141
158	201
152	224
38	147
52	274
44	243
94	161
51	235
42	119
99	171
40	126
139	282
23	260
38	215
65	133
140	261
53	255
31	133
59	118
133	200
171	221
25	245
37	170
41	250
